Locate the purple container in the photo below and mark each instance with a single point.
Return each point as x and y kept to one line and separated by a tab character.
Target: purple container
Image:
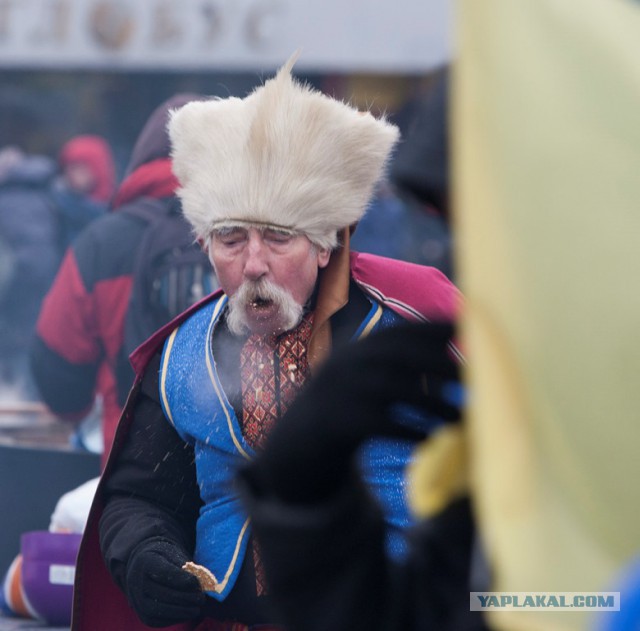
48	570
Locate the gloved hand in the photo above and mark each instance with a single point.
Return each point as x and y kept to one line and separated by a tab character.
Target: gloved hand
160	592
352	398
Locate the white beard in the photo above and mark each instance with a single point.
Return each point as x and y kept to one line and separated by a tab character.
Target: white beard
289	311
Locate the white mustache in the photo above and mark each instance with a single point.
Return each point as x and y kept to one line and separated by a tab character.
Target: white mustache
263	290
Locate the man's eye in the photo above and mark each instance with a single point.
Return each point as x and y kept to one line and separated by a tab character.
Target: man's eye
277	236
231	238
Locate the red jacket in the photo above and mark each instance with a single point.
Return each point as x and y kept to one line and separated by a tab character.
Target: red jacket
78	351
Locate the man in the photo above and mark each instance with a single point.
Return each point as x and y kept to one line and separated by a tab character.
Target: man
79	347
271	184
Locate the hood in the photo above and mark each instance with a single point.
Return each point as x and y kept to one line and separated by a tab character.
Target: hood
95	152
153	140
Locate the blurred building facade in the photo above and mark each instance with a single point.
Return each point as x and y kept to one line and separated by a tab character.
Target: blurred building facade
100	66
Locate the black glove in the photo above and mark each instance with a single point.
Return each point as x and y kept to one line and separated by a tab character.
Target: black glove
160	592
352	398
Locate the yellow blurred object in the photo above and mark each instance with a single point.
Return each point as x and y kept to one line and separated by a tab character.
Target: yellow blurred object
438	472
546	158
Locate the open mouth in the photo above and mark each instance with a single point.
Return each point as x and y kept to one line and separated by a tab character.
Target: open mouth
260	303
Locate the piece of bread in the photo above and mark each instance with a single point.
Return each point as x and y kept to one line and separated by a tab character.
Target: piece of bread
206	579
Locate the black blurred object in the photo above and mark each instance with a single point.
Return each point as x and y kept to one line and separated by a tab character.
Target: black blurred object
157	587
421	165
33	480
320	530
349	401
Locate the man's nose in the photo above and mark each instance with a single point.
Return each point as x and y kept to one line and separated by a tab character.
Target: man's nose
256	264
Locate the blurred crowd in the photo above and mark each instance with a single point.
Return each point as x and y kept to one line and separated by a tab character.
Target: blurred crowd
46	201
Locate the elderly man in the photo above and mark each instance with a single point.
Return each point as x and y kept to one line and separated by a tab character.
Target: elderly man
271	184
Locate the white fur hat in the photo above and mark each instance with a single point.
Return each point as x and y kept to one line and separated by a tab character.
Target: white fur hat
286	155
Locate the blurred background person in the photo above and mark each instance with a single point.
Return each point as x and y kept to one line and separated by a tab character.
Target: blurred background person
31	253
408	217
85	185
420	170
80	349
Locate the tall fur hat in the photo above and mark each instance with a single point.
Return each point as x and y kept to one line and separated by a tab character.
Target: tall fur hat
286	156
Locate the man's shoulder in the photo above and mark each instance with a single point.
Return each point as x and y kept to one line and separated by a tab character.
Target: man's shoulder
417	292
108	245
141	356
109	236
373	265
105	249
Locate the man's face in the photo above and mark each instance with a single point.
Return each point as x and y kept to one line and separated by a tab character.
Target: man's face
268	274
80	177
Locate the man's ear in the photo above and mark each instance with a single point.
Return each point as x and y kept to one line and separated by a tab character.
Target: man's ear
203	246
324	254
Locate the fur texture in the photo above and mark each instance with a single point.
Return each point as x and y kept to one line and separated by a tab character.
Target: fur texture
286	155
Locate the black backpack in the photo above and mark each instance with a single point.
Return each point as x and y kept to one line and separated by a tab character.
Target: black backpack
170	271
